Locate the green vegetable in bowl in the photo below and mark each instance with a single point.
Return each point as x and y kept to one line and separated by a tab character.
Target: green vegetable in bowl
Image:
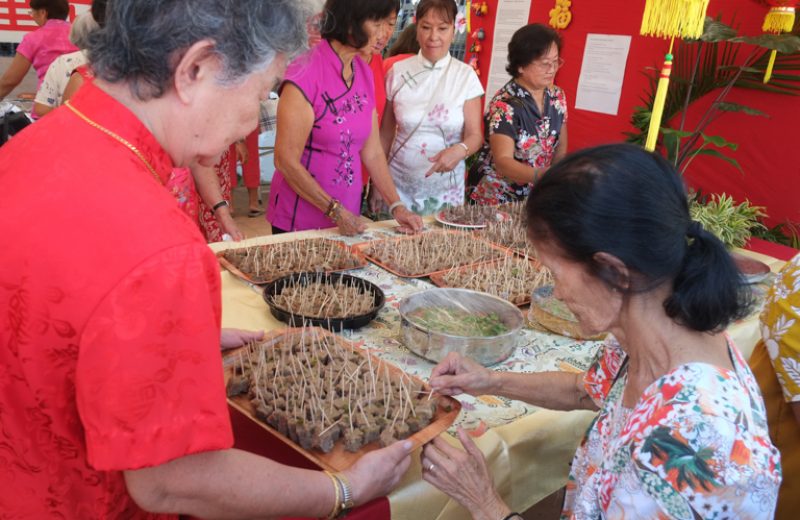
458	322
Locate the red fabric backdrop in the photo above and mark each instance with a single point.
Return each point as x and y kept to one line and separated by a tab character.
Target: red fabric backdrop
768	151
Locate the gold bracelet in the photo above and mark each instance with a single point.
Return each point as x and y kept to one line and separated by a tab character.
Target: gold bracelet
347	493
333	208
337	505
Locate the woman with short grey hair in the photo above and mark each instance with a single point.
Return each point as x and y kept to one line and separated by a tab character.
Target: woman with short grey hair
112	398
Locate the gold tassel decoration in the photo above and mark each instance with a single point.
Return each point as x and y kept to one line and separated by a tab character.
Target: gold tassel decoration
669	19
779	19
659	102
674	18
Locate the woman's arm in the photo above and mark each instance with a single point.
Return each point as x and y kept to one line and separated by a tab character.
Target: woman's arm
373	158
237	484
75	83
295	120
561	149
388	128
554	390
506	165
41	109
14	74
207	184
448	159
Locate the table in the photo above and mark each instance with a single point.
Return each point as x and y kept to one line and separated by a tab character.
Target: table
528	449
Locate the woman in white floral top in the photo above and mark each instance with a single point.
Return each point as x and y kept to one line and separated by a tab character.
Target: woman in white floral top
525	124
681	431
432	119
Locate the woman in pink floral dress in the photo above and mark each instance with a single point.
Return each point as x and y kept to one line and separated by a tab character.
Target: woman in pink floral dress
681	431
526	121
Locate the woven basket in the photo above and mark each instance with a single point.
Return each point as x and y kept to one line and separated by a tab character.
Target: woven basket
568	328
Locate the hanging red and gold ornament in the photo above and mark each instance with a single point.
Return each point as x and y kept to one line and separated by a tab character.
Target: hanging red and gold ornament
479	10
780	19
669	19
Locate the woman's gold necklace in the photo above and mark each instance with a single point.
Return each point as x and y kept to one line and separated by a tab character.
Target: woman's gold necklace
116	137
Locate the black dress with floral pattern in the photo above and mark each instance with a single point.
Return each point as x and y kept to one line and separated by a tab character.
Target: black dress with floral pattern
513	112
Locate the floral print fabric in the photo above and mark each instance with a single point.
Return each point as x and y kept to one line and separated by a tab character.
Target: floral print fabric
780	329
428	101
332	155
695	445
513	112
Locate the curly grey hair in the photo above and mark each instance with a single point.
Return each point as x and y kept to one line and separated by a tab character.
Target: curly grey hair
142	40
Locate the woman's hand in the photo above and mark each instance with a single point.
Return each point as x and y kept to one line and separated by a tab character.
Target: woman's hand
233	338
348	223
379	471
409	222
228	224
446	160
457	375
463	475
241	152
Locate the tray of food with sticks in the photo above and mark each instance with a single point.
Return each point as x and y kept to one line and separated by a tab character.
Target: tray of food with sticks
511	278
263	264
427	253
470	216
511	234
334	301
329	400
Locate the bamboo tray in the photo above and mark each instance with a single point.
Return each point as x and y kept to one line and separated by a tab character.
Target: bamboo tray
362	249
439	279
358	257
340	459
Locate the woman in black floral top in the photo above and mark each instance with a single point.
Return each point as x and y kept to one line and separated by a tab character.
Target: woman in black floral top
526	121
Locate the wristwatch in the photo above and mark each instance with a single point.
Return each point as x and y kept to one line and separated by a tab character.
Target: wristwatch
347	493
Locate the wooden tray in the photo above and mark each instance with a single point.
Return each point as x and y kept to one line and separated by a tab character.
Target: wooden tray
340	459
361	248
438	279
227	264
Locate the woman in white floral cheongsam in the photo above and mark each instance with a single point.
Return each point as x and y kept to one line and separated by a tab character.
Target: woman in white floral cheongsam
433	117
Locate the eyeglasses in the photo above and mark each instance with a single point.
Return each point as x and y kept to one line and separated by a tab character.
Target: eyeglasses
545	66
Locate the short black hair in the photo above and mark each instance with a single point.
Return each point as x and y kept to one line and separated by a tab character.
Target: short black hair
622	200
99	11
529	43
343	20
56	9
447	7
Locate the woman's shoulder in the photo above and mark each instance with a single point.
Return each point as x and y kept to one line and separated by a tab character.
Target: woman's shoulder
707	394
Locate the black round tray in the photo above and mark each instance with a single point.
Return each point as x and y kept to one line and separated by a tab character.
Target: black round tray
334	324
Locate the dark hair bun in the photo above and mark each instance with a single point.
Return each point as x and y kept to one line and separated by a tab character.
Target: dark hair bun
624	201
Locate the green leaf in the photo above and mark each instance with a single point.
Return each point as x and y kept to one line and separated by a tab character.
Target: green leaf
736	107
719	155
671	142
716	31
678	133
784	43
719	141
